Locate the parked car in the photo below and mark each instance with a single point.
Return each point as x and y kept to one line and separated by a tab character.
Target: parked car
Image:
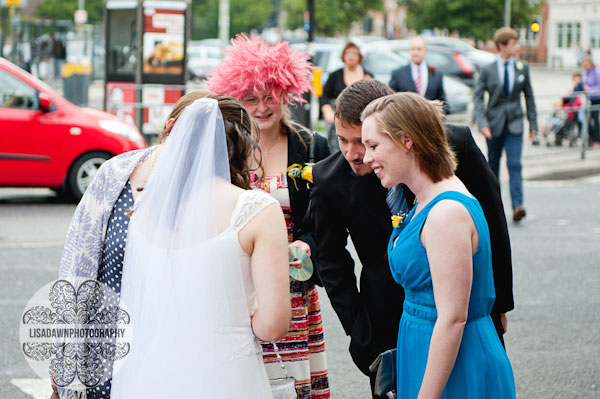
381	62
478	57
449	62
46	141
203	57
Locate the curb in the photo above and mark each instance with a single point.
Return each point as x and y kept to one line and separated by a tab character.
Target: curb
566	165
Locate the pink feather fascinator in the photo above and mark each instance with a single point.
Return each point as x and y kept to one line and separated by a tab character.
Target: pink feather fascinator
254	66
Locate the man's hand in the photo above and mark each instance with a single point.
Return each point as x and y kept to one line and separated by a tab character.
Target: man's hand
487	133
304	247
328	113
532	134
504	322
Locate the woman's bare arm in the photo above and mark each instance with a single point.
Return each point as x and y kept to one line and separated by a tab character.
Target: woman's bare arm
265	239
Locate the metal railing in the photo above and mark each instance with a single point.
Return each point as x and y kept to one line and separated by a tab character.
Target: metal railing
579	114
566	119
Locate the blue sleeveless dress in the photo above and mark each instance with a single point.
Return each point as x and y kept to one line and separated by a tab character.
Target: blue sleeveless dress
482	368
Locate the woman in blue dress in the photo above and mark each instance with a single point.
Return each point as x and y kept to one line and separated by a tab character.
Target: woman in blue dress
440	254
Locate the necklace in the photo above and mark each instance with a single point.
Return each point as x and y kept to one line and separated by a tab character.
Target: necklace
273	146
152	163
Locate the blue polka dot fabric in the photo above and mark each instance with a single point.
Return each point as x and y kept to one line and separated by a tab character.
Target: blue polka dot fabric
110	270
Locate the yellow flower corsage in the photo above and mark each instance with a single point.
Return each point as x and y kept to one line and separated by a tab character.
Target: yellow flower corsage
398	219
297	171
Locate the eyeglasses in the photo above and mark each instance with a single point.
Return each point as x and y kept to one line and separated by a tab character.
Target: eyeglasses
254	100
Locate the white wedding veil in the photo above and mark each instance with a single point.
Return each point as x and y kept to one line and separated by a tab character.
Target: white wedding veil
183	279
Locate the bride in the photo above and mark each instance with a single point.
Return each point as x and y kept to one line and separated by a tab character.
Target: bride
202	272
205	268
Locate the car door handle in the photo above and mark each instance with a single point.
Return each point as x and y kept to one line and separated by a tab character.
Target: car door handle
75	131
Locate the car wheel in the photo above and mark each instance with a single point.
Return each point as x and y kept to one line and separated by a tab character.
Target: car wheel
83	171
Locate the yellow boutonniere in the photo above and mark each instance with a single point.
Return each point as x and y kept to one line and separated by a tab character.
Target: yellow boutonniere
297	171
307	172
398	219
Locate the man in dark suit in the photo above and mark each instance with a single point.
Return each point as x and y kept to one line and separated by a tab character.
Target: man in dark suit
419	77
502	121
347	198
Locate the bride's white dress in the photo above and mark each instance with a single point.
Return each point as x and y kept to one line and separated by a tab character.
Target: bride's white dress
190	310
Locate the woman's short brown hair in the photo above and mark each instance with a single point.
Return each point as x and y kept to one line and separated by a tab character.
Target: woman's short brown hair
350	45
240	131
420	119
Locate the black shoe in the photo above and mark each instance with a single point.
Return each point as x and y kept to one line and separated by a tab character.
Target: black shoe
518	213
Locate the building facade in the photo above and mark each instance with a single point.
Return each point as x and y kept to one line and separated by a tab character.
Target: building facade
573	27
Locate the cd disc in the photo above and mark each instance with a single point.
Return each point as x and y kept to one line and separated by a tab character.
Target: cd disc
305	270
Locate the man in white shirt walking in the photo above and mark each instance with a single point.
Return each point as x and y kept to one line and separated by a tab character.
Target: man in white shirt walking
501	121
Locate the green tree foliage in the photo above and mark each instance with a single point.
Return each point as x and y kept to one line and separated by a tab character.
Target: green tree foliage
469	18
332	16
65	9
294	13
245	15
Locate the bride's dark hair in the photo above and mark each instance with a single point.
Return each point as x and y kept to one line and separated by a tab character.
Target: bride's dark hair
239	128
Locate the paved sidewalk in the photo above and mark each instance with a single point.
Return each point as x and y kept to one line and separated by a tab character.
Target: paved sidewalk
548	163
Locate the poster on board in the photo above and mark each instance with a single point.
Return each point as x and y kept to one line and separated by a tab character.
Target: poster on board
163	43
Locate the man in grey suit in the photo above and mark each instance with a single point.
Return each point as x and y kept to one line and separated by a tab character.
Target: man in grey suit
502	122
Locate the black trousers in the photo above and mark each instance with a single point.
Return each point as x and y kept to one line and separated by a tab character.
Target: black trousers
498	324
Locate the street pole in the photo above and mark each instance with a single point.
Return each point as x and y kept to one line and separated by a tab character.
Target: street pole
81	7
13	34
310	8
224	22
4	29
139	56
507	13
313	101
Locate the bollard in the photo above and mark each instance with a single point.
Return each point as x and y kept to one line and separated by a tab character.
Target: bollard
76	82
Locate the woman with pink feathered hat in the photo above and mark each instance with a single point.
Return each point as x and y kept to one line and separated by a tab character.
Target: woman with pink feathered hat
266	79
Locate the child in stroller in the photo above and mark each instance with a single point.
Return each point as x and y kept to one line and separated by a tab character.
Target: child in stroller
563	123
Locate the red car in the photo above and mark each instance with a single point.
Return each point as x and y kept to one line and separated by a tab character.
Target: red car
46	141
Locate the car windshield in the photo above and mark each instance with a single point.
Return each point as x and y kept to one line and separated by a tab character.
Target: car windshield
382	62
14	93
451	43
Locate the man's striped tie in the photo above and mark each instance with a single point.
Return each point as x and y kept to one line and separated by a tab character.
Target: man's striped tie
396	200
418	82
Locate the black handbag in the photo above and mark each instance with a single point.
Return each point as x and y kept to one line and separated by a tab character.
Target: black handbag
385	379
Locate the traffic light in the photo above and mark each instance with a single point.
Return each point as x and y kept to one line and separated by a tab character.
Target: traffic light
536	26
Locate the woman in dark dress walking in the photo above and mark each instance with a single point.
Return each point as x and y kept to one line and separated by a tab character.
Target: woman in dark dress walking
338	80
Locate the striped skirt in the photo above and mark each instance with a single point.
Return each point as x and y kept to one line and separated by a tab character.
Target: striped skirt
303	348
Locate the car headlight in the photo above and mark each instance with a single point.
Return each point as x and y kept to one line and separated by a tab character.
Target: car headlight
121	128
